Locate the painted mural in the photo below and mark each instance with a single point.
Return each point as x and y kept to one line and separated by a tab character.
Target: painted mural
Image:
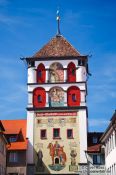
56	97
40	166
50	122
58	156
56	73
73	166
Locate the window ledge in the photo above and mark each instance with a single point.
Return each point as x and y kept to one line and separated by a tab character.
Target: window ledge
44	138
57	138
70	137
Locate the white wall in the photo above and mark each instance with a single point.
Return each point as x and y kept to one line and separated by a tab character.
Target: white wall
110	151
83	135
47	87
80	72
30	133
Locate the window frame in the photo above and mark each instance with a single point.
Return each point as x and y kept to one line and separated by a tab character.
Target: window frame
96	162
58	133
39	100
94	139
71	137
13	157
42	138
74	99
13	139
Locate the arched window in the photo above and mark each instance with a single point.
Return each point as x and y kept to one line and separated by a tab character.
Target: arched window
56	73
41	73
71	72
56	97
39	97
73	96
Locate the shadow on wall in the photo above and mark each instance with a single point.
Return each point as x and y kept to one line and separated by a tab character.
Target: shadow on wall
39	166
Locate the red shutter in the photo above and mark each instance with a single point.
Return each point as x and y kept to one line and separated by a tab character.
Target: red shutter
39	91
71	72
71	91
41	68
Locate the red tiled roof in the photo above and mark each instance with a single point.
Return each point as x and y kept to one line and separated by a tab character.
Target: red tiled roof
57	46
14	127
94	148
18	145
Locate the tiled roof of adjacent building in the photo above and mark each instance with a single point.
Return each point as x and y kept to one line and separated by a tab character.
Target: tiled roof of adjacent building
57	46
13	127
94	149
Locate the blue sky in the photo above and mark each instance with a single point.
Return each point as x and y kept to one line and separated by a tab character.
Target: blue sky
89	25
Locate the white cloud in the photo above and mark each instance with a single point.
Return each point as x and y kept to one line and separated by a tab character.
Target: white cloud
99	123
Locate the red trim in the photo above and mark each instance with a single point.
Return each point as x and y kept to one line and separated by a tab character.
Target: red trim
59	133
70	92
41	114
71	72
72	134
39	91
45	134
41	68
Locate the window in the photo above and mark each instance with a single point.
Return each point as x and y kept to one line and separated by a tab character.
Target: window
56	133
81	62
96	159
73	71
69	133
43	134
13	157
13	139
73	97
95	139
39	73
39	98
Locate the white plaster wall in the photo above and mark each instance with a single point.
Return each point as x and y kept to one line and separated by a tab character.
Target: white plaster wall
80	72
63	62
111	158
30	99
30	133
110	151
31	75
47	87
19	170
83	135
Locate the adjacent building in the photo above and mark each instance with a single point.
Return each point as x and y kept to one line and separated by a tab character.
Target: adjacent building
109	141
15	132
95	154
3	142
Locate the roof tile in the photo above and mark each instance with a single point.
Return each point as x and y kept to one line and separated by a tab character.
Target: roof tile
57	46
14	127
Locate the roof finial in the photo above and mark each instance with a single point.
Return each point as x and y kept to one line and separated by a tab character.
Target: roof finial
58	20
